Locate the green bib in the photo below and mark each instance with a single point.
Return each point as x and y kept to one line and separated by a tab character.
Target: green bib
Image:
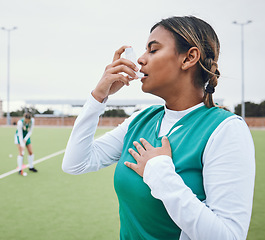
25	127
141	215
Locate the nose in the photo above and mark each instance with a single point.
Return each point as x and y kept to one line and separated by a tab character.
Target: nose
142	60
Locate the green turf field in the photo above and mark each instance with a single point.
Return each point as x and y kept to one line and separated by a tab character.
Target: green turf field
51	204
257	230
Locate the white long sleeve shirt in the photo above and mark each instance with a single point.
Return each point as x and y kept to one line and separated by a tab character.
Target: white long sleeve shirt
228	172
20	132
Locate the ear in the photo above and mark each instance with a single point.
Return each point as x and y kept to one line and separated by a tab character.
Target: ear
191	58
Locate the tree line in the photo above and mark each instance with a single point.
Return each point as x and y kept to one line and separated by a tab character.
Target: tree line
19	113
32	110
251	110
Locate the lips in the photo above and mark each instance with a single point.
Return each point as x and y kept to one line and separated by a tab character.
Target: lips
145	74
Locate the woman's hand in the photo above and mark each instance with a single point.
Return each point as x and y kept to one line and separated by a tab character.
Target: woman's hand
145	153
112	79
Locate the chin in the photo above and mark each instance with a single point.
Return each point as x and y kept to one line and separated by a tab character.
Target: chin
144	89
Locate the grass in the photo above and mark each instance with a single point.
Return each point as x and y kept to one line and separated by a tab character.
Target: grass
256	231
51	205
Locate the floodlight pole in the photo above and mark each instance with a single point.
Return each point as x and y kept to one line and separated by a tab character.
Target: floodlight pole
242	65
8	72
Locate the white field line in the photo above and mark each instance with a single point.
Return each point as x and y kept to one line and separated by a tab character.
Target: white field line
35	162
38	161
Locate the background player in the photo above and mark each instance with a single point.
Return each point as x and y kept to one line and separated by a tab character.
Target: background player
22	139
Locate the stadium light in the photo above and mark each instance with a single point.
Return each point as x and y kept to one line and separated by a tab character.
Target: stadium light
8	71
242	62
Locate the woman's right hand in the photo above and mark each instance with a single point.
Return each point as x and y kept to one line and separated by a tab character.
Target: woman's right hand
112	79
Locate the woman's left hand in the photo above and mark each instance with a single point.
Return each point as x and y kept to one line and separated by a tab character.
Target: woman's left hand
145	152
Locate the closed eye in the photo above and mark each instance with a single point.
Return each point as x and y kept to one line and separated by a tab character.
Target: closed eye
153	51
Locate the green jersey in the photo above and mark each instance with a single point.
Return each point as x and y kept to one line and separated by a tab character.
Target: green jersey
141	215
26	127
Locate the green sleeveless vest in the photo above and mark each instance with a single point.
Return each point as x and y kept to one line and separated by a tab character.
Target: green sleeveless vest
141	215
25	127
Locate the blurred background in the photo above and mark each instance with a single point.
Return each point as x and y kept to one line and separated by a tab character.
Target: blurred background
58	50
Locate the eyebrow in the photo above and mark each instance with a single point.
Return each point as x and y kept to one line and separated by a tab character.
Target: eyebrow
152	42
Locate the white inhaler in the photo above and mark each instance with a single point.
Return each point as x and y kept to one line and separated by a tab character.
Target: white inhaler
130	55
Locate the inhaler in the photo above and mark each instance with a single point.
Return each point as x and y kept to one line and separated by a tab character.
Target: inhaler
130	55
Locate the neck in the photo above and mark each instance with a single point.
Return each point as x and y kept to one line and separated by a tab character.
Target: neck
181	105
182	100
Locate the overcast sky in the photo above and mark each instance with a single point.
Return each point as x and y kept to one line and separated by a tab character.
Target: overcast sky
61	48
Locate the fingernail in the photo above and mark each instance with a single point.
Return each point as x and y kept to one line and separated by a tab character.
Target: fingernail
136	69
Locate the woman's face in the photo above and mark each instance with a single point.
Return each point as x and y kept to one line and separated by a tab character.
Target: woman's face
27	121
161	63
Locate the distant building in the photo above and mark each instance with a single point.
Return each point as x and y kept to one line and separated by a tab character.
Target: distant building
110	102
129	105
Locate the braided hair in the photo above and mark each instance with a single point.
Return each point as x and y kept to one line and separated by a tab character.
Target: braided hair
188	32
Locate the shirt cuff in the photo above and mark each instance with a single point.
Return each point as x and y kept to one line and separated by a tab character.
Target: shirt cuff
94	105
154	165
94	101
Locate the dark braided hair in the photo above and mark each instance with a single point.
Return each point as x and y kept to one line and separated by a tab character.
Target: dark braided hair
188	32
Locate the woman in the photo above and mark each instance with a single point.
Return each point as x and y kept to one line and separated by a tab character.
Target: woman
185	170
22	139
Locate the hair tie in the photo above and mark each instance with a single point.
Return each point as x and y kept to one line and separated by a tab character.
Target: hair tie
210	89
